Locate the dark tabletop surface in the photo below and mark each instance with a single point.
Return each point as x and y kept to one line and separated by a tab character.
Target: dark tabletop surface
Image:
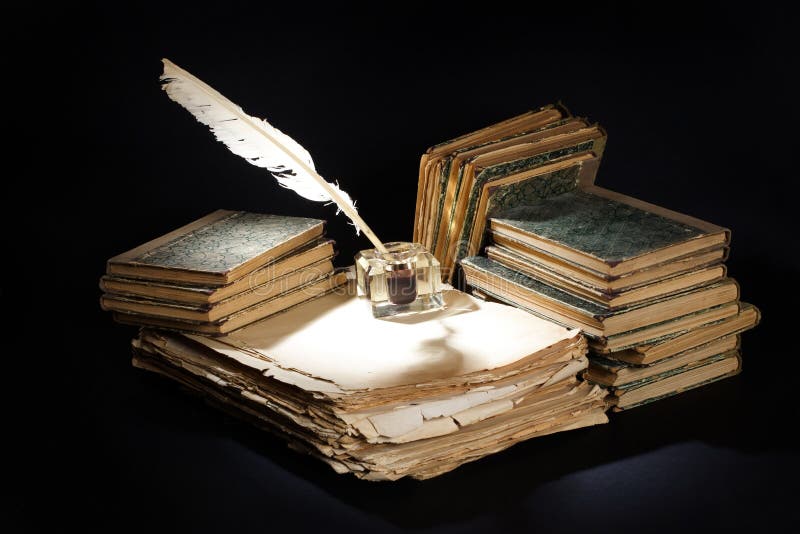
699	111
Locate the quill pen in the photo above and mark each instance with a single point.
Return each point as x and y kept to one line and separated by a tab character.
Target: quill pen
258	142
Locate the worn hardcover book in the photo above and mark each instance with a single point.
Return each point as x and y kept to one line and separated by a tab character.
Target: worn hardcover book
595	320
236	320
538	260
216	250
563	175
462	182
609	372
676	283
676	381
499	164
223	308
260	279
608	232
659	333
431	161
447	185
667	346
452	174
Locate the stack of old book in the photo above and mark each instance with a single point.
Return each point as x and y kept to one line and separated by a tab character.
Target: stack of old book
384	399
647	286
465	181
221	272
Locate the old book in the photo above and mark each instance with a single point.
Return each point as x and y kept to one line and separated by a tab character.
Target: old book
451	176
464	180
496	165
658	333
219	310
595	320
236	320
263	278
443	176
432	159
448	182
537	260
216	250
687	331
677	381
608	232
612	299
667	346
436	398
609	372
498	195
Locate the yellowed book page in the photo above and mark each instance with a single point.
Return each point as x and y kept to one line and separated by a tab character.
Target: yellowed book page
337	340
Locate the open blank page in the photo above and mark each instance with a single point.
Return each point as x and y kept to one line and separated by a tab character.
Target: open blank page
336	339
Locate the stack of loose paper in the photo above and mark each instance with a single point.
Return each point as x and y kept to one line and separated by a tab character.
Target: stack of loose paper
383	399
221	272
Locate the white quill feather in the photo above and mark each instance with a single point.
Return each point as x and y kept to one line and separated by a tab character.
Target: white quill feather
258	142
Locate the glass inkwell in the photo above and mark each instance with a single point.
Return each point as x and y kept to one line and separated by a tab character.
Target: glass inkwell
403	279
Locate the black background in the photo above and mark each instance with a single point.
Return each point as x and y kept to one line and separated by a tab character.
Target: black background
701	114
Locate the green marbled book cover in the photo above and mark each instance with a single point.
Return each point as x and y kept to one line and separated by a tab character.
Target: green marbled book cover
218	246
227	243
603	228
447	167
534	189
498	171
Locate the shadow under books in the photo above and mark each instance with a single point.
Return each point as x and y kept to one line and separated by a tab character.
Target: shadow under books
498	481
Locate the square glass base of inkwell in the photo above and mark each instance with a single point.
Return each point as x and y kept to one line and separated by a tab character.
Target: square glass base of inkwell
404	280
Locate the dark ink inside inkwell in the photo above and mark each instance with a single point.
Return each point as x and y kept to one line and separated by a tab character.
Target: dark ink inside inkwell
403	278
401	283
